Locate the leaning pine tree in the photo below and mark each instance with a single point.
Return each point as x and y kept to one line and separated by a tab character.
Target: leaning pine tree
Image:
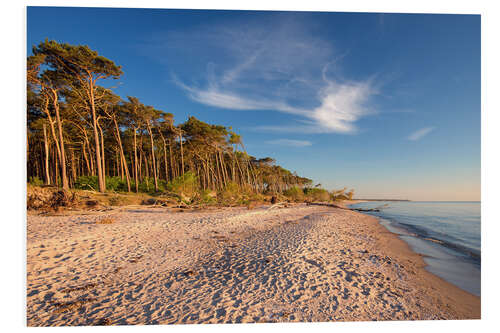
82	68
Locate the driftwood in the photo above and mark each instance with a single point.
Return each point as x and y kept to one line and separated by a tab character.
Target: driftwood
366	210
377	209
325	204
279	205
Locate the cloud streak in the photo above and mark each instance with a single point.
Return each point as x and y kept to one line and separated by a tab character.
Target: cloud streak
419	134
290	142
216	97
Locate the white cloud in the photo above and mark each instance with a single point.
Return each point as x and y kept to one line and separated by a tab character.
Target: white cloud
341	106
276	65
290	142
419	134
213	96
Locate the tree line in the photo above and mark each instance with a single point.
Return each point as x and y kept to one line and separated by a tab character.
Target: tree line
80	130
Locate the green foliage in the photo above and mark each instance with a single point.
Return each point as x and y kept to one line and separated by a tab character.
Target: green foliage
230	193
316	194
208	197
294	193
35	181
184	185
147	185
76	60
86	183
116	184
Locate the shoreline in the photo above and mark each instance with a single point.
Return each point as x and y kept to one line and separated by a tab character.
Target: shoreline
456	295
303	263
471	301
430	252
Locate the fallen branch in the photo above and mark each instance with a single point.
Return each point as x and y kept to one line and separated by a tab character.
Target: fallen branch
377	209
279	205
325	204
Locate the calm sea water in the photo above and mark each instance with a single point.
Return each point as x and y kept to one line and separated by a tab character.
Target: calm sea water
448	234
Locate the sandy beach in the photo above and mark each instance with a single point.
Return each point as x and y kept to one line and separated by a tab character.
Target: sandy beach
231	265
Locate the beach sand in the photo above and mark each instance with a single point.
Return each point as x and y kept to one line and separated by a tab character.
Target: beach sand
232	265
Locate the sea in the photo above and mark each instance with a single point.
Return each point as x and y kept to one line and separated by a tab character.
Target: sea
447	234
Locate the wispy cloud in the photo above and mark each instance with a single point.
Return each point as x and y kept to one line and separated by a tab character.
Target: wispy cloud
290	142
419	134
214	96
275	65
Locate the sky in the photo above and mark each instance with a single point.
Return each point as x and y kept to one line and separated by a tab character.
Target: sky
386	104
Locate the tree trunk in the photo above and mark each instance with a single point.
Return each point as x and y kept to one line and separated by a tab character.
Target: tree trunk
87	145
73	166
165	157
47	174
54	137
153	157
218	169
135	161
171	160
241	171
141	178
118	137
103	160
119	163
56	172
182	152
64	177
223	166
100	175
142	157
207	173
146	164
84	152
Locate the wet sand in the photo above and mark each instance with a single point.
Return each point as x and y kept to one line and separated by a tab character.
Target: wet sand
154	266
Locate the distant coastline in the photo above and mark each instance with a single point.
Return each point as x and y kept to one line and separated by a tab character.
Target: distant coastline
381	199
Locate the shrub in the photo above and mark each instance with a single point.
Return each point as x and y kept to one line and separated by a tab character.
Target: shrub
186	185
87	183
162	185
316	194
208	197
35	181
230	193
116	184
294	193
147	185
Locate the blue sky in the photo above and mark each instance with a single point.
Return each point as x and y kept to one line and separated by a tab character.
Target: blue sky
387	104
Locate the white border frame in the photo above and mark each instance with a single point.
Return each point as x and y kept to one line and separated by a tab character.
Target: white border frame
13	168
